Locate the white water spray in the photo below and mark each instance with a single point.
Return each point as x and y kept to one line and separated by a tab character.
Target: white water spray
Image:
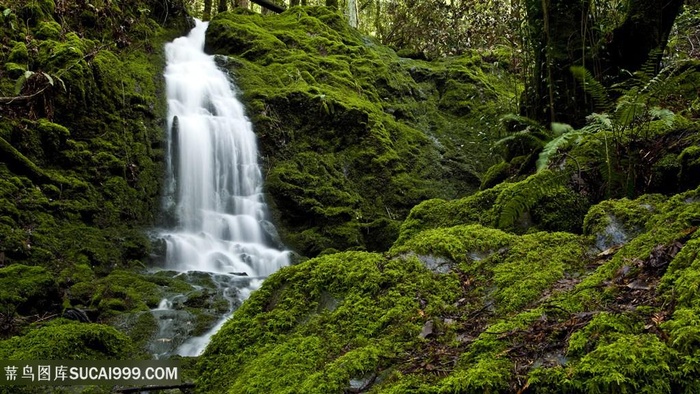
214	183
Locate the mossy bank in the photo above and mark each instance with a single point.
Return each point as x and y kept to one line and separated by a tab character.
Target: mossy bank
472	309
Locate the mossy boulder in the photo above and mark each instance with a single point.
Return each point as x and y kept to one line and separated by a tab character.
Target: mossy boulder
615	222
68	340
353	136
80	167
496	174
336	319
26	291
538	202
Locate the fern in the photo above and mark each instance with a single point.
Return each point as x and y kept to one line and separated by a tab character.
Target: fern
664	115
598	92
628	111
598	122
553	146
523	196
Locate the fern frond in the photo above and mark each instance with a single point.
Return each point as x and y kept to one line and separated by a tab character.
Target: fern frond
664	115
553	146
522	197
627	112
560	128
514	123
595	89
650	68
598	122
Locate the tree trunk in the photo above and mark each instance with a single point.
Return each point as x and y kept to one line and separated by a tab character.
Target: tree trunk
269	6
207	10
561	36
643	34
551	93
243	3
352	14
222	6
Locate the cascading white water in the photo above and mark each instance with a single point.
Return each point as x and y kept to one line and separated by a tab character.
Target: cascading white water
214	181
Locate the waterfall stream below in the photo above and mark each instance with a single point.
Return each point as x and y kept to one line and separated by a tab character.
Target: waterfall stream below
221	242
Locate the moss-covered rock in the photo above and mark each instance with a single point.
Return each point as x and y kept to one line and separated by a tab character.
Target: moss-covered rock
68	340
26	291
335	318
542	201
506	310
615	222
496	174
353	136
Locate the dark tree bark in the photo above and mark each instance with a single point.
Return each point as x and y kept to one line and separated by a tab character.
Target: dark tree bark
561	36
645	32
552	94
222	6
207	10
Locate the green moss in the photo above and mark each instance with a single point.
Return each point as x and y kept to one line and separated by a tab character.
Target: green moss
355	123
603	329
48	31
614	222
440	213
533	265
19	53
488	375
27	290
142	329
496	174
15	70
67	340
35	11
539	202
374	316
124	290
631	363
242	36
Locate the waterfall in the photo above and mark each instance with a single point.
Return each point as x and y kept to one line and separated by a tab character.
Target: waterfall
214	183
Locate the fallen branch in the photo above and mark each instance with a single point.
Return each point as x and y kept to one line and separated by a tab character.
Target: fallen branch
20	164
270	5
21	99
